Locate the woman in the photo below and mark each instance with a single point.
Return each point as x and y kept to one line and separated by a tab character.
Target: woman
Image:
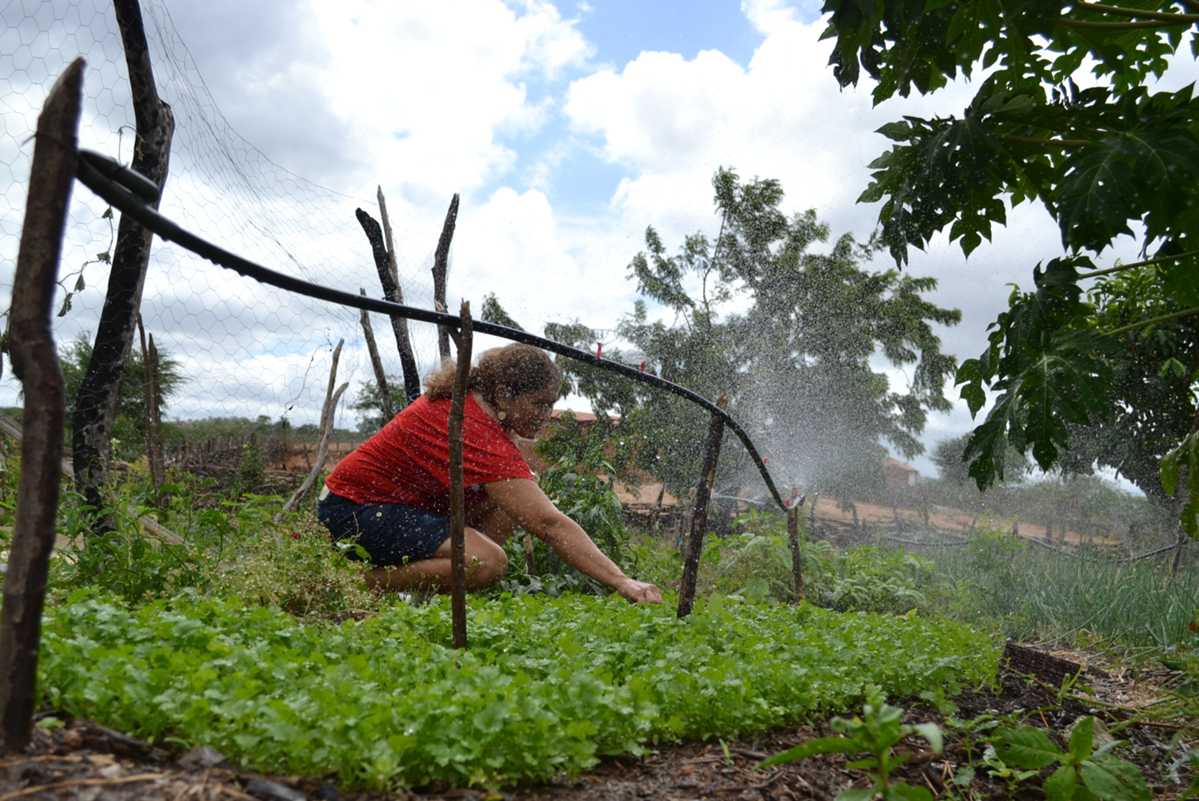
391	495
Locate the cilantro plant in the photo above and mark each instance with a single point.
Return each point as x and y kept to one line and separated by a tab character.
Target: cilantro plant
1084	772
548	685
875	734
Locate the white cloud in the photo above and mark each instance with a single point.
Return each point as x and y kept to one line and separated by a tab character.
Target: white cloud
431	86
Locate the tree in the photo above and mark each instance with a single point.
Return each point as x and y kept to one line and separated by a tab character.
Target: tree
1107	161
130	421
947	456
796	363
367	404
1151	382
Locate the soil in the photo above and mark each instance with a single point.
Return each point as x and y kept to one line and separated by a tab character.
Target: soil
82	761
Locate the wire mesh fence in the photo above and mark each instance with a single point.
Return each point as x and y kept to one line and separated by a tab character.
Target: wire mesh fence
243	350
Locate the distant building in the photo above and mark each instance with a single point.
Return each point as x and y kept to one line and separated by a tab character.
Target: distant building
898	475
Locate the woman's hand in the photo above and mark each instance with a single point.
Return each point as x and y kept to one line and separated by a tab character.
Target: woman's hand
639	592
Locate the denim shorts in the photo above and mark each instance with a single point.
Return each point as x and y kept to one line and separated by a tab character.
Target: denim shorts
390	533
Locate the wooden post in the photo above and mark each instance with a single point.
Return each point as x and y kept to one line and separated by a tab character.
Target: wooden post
441	264
812	517
328	412
153	421
392	292
796	554
96	403
457	498
376	364
699	512
35	363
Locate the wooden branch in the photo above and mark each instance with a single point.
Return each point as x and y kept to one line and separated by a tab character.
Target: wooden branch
457	491
377	365
407	362
153	420
699	511
441	265
35	363
1134	13
96	403
150	525
328	411
1132	265
392	292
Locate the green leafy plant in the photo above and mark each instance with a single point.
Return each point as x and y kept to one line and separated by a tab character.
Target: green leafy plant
547	686
1083	772
875	733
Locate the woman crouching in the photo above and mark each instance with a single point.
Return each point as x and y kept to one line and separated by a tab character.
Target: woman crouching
391	495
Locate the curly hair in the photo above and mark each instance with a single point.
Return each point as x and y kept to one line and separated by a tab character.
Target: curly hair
520	368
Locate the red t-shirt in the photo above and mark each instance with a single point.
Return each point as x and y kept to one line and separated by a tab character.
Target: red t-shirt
408	461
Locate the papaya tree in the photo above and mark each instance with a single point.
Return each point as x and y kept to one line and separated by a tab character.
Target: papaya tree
1067	116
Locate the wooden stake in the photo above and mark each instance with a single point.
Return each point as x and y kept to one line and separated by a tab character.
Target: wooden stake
796	554
35	363
699	512
328	412
457	499
377	365
441	265
393	292
153	420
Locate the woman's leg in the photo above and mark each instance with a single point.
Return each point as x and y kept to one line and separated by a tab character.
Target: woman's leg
486	563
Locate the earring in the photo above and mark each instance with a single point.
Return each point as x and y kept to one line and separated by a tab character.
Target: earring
502	415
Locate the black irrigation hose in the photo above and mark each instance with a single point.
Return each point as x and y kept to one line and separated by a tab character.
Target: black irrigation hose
130	191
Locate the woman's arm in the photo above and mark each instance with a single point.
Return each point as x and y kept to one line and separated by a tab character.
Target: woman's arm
524	502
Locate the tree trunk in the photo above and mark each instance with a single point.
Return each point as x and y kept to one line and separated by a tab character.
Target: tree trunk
35	363
393	292
441	265
377	365
457	490
699	512
96	404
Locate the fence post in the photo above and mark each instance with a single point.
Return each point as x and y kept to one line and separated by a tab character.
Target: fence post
372	350
35	362
441	264
699	512
796	555
457	499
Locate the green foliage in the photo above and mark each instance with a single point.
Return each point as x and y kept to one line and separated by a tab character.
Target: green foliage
547	686
130	423
583	496
952	468
1103	161
1084	772
796	358
369	403
875	734
756	564
1029	593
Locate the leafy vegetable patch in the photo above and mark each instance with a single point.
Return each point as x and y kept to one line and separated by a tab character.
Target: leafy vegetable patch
547	686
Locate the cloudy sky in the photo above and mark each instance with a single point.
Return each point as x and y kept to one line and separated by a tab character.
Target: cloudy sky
566	127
